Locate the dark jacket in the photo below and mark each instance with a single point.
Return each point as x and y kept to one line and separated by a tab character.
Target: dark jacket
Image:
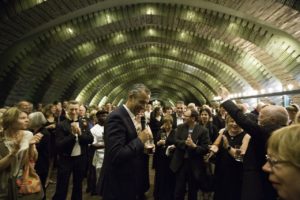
65	140
120	177
259	138
200	137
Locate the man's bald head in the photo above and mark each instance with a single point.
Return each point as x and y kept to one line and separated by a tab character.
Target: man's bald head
273	115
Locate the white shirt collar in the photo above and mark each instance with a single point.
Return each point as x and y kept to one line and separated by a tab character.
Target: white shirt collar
129	112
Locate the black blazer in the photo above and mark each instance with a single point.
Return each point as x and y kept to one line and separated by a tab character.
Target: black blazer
65	140
200	137
119	178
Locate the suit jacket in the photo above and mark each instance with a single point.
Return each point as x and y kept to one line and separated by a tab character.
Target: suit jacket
65	140
259	138
123	157
200	137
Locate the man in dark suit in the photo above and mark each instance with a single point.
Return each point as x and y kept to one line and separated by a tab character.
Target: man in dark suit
270	118
191	141
178	114
124	148
72	139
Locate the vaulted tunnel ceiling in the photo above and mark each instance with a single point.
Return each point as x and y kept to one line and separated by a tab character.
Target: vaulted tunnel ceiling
183	50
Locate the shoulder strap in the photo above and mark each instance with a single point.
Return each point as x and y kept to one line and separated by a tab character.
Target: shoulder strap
3	149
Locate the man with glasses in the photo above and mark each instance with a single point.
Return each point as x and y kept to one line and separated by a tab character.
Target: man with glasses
191	141
270	118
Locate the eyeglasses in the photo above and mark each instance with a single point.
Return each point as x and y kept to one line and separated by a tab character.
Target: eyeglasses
274	162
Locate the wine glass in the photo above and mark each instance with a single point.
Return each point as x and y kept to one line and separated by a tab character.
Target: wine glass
239	156
163	136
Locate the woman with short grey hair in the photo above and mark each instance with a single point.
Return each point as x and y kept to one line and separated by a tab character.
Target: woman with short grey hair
37	123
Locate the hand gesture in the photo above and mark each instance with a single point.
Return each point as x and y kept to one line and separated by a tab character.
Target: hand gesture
214	148
189	142
161	142
75	128
36	138
51	126
223	93
144	135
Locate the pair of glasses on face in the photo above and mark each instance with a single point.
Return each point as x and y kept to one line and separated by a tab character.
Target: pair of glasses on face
273	161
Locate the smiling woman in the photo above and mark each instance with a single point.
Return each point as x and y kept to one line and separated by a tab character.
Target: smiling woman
283	162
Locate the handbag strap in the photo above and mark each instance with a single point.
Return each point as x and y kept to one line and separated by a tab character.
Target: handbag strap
4	152
3	149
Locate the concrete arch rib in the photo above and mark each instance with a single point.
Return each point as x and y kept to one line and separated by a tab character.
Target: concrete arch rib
205	65
254	37
209	82
96	85
165	90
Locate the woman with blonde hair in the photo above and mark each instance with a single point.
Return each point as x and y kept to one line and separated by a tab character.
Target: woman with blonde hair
283	162
17	147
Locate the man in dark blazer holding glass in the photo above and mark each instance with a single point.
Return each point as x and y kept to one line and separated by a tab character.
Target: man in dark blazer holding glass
191	141
124	148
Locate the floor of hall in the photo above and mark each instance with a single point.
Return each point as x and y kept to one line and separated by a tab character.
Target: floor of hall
86	196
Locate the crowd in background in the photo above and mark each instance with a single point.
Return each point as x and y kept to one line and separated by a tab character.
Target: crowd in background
218	150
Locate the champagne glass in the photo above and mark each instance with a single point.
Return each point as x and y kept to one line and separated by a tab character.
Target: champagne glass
239	156
163	136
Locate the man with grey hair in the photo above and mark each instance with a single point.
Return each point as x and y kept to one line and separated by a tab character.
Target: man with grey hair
124	148
270	118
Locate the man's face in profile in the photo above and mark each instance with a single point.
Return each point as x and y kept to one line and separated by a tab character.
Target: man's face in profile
140	101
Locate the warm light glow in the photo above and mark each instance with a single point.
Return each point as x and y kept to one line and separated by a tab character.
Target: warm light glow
69	30
151	32
190	15
40	1
217	98
290	86
108	18
289	50
182	34
150	11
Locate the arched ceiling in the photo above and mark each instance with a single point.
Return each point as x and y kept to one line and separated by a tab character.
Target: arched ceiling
182	50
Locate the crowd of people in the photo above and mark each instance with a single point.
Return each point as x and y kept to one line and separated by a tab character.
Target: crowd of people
223	152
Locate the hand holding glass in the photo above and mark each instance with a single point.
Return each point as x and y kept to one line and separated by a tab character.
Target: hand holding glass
239	154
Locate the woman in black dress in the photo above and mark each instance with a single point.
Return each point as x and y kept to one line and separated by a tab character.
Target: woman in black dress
229	163
164	182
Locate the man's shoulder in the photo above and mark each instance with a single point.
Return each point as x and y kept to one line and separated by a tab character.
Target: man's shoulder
201	127
118	111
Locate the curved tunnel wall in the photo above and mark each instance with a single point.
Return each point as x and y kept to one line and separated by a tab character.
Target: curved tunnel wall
55	50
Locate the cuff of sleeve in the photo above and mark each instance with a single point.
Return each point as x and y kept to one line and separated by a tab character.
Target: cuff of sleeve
223	100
